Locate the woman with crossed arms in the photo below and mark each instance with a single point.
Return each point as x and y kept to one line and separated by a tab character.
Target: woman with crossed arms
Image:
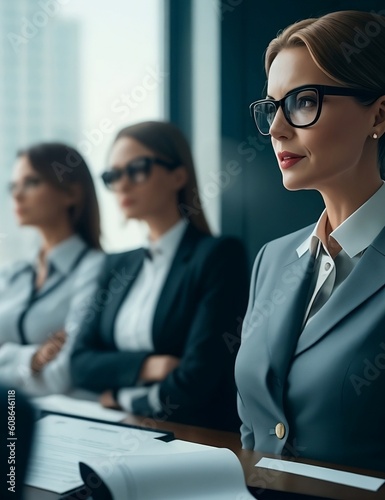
158	343
42	298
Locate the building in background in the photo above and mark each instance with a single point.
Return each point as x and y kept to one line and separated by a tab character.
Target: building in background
77	71
39	93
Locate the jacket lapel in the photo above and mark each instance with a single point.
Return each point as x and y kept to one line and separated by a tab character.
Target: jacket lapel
174	278
122	275
58	271
285	323
366	279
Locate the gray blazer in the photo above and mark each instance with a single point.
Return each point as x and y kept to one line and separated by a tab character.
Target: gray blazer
317	394
28	317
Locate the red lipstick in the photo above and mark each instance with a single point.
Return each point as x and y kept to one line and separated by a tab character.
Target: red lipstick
287	159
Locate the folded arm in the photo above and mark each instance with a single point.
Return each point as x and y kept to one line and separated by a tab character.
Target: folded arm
44	369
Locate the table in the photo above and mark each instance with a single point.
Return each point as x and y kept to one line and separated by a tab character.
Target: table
264	484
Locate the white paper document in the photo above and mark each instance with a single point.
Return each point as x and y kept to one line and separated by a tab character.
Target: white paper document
71	406
181	470
61	442
70	452
323	473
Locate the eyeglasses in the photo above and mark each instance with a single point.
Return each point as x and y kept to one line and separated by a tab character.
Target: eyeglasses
301	106
28	184
138	171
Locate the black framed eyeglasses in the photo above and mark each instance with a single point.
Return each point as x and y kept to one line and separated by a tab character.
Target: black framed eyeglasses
301	106
27	184
137	170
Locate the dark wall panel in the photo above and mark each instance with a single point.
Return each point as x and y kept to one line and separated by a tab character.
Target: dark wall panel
178	57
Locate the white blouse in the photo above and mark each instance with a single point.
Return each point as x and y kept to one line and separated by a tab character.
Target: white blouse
354	236
133	325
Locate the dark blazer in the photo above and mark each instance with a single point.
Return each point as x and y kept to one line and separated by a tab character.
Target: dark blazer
324	386
197	319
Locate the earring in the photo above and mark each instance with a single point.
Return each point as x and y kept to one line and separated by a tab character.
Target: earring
375	136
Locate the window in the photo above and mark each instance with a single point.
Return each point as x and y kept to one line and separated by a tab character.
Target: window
77	72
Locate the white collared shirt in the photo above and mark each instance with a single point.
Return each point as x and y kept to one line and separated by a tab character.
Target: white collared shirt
133	325
354	236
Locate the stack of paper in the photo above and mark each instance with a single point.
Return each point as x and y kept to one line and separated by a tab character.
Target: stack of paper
130	463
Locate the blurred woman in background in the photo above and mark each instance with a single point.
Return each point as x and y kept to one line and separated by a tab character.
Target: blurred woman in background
156	344
41	299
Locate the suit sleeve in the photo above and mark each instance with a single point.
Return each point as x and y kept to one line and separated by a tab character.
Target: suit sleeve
247	434
95	364
213	338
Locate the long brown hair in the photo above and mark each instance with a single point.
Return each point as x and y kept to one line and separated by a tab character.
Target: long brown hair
168	142
63	167
332	41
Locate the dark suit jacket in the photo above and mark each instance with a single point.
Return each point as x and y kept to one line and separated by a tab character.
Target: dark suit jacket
197	319
325	385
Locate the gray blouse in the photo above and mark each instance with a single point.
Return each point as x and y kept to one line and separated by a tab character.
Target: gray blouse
28	317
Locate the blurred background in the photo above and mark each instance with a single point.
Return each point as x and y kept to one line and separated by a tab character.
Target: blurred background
79	70
76	71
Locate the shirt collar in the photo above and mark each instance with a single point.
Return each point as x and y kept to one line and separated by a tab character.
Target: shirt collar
167	244
312	242
63	256
357	232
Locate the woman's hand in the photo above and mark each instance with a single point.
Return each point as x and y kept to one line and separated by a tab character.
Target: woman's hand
156	368
108	401
48	351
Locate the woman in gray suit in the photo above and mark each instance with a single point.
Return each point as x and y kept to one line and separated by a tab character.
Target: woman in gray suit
311	367
41	298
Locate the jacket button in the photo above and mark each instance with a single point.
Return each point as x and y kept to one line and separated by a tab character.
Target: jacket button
280	430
